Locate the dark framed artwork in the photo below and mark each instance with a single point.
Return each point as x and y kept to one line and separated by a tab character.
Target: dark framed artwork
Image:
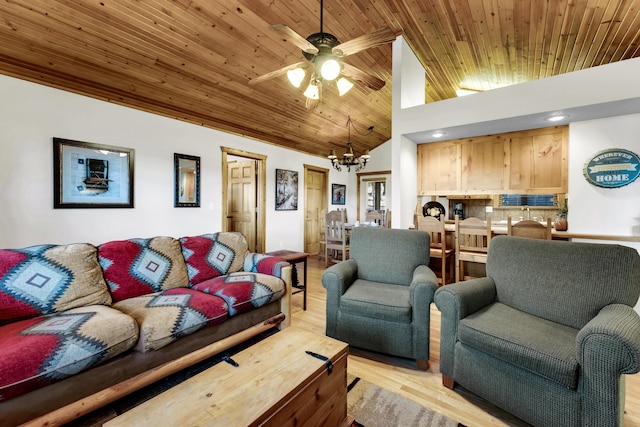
286	190
186	177
338	194
89	175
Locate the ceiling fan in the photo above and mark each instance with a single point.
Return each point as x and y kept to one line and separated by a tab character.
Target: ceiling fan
324	65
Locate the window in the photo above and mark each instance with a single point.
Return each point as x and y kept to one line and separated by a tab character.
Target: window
549	200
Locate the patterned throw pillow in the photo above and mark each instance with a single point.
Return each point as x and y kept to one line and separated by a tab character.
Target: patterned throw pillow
166	316
266	264
213	255
244	291
142	266
47	279
39	351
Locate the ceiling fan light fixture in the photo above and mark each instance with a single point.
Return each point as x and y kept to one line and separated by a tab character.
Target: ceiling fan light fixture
344	85
330	69
296	76
312	91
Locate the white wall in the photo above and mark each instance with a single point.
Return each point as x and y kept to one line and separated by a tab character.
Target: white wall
595	209
32	115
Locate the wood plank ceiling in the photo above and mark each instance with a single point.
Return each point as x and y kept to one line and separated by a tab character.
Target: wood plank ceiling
192	60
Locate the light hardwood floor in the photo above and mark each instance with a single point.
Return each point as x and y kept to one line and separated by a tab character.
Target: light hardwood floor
423	387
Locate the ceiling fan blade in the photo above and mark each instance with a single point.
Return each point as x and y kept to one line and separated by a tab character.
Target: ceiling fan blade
275	73
358	75
376	38
296	38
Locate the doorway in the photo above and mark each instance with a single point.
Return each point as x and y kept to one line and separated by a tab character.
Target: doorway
244	195
315	197
374	192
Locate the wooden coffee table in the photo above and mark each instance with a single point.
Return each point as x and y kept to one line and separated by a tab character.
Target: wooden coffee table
276	383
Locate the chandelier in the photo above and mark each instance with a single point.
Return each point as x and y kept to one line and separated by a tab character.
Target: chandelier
350	159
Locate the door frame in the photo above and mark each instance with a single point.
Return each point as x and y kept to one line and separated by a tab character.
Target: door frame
325	190
261	190
370	175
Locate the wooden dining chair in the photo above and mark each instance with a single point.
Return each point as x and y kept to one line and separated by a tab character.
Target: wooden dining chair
376	217
439	247
472	239
529	228
335	236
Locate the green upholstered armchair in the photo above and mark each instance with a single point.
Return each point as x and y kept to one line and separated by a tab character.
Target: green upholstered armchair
379	298
549	333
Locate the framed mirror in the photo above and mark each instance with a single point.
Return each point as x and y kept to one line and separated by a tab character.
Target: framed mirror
186	181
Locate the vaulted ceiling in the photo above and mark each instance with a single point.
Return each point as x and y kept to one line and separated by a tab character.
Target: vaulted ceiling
193	60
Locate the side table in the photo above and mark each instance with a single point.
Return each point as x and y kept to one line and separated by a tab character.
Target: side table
293	257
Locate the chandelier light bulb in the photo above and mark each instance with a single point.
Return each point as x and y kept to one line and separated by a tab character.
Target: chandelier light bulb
312	91
330	69
344	85
296	76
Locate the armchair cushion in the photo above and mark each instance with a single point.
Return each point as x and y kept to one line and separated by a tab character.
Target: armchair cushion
380	300
532	343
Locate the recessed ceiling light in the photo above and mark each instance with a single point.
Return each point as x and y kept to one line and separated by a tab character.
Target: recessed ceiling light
438	134
556	118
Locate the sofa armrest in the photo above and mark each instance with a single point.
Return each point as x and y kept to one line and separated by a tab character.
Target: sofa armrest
265	264
274	266
455	302
336	279
607	347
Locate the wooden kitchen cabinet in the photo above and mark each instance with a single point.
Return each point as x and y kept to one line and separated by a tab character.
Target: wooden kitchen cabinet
482	165
438	168
537	161
533	161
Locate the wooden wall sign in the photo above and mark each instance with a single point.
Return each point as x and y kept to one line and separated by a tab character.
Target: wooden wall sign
612	168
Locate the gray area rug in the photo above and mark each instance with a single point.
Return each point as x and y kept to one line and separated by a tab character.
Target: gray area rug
373	406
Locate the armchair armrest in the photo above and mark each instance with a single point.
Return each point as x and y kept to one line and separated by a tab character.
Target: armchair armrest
455	302
336	279
464	298
613	335
422	288
607	347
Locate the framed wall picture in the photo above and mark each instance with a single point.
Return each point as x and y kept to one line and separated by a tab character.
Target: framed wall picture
186	173
286	190
338	194
88	175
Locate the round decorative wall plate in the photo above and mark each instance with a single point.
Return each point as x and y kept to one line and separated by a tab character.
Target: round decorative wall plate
433	209
612	168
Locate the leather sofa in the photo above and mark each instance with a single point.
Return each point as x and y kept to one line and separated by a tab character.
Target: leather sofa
79	320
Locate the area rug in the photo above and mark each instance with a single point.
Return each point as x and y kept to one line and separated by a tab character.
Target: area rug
373	406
